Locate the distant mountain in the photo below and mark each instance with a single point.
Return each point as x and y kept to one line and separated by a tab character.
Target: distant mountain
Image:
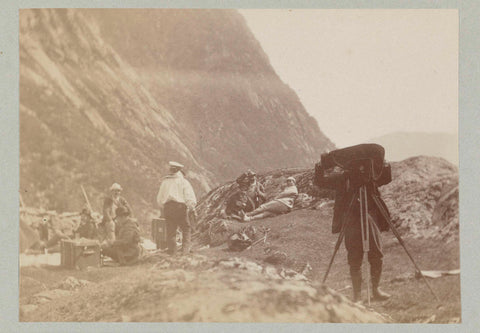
110	95
402	145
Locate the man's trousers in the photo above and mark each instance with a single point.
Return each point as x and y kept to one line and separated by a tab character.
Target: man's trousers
176	216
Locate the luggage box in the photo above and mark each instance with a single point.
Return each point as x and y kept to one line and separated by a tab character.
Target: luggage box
159	233
80	254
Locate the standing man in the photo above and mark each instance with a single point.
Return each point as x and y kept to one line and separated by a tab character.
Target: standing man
176	199
110	204
344	191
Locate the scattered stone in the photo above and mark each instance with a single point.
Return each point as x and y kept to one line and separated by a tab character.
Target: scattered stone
290	274
239	242
277	257
241	264
402	277
307	269
71	283
270	272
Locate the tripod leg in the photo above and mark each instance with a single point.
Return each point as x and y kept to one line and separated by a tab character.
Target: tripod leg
340	237
400	240
365	228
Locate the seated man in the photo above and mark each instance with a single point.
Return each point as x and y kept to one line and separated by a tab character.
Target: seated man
125	248
51	231
87	227
281	204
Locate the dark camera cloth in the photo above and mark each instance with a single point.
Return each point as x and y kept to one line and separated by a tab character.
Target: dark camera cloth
343	195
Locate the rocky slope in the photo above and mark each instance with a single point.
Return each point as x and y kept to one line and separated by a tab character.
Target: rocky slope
111	95
423	197
180	290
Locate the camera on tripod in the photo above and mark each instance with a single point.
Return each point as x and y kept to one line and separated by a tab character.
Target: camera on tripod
363	163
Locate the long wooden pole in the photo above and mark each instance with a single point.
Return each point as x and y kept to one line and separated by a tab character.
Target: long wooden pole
86	199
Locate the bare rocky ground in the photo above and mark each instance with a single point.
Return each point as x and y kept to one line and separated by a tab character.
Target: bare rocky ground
216	285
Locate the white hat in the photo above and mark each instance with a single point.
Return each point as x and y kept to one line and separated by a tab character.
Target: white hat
116	186
293	179
175	164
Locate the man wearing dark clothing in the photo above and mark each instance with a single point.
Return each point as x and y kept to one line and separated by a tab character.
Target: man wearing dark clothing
345	190
87	227
255	191
236	204
125	249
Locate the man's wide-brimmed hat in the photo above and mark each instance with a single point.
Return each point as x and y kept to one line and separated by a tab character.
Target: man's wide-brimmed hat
174	164
116	187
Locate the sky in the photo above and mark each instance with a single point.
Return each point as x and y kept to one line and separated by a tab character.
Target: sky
366	73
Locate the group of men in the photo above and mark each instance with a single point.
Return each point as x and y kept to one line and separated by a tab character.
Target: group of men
118	232
176	200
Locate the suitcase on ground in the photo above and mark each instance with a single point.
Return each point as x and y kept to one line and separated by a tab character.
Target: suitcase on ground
80	254
159	233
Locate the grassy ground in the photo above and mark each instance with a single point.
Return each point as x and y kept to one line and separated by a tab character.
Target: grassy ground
305	237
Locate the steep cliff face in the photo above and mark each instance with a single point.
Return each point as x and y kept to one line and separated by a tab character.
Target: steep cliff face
111	95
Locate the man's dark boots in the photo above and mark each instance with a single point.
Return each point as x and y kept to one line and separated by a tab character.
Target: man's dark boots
376	272
356	276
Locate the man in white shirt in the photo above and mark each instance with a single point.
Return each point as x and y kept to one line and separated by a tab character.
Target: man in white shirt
175	199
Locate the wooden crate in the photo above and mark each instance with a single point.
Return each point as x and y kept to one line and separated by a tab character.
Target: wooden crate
80	254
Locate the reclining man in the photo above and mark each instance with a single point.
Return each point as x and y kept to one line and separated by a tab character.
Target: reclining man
125	249
281	204
344	191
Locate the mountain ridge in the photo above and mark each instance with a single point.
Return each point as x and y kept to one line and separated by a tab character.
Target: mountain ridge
88	117
402	145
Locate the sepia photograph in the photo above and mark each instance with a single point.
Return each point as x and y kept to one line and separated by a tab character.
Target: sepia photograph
201	165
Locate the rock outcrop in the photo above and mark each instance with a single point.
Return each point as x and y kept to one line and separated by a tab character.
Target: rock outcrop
423	197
